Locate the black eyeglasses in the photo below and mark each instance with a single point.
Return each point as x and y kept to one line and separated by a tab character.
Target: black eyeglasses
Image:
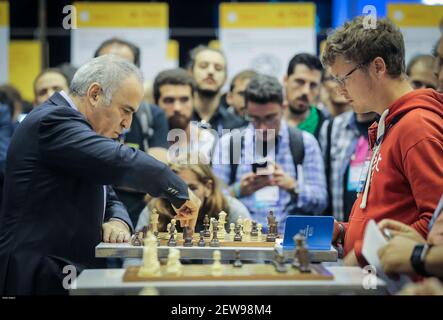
342	80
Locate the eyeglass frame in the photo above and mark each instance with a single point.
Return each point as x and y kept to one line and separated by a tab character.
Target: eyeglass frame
341	81
267	122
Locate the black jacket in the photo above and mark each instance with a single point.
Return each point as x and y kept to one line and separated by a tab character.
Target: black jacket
53	200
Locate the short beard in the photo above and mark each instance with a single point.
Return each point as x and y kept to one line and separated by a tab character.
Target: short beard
177	121
296	111
207	93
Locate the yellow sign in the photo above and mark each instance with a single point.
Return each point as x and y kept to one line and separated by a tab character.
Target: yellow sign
173	50
267	15
4	14
415	15
215	44
24	65
122	14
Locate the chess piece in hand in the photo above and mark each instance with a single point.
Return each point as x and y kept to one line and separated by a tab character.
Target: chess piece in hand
187	214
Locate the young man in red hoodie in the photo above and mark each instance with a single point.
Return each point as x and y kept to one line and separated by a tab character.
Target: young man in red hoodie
404	178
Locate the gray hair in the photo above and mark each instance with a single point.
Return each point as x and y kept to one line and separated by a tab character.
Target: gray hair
108	70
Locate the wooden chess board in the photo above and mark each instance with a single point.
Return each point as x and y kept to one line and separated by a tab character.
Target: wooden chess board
251	242
246	272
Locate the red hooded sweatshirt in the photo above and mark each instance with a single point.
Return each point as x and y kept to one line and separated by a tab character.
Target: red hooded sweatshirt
407	174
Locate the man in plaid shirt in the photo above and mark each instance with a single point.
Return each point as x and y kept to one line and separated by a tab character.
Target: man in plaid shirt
285	189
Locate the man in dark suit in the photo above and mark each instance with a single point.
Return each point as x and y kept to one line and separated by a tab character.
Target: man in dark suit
56	206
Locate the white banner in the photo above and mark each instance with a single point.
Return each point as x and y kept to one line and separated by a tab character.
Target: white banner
146	29
265	36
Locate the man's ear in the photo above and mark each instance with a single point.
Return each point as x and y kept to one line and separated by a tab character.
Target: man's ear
285	80
93	94
380	67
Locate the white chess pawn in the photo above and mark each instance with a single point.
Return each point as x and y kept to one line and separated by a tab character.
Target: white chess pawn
259	234
174	222
216	268
240	222
174	266
151	265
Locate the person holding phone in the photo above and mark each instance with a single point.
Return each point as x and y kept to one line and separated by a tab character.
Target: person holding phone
269	166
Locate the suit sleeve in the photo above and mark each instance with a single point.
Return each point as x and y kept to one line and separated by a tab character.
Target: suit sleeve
115	208
67	142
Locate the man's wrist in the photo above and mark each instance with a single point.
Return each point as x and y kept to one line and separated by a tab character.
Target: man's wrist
418	257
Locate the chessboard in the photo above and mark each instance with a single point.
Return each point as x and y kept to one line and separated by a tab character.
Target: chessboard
246	272
252	242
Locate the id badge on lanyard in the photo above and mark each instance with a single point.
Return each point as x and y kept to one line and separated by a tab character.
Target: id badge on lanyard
363	175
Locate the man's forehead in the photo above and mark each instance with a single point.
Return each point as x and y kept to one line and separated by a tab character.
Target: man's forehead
210	56
175	89
302	70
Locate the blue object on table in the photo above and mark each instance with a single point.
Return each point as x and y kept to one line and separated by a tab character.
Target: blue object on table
317	230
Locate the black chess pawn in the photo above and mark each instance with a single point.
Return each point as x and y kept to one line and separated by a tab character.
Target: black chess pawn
201	242
206	223
214	241
237	236
237	262
172	242
187	237
136	240
254	230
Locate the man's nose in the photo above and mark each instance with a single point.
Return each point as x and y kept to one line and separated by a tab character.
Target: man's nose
126	122
306	88
177	106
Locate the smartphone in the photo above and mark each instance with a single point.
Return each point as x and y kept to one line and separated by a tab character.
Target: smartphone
259	165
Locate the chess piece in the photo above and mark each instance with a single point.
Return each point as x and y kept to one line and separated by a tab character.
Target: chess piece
259	233
151	265
221	225
171	242
232	231
240	223
137	239
237	236
201	242
154	222
214	241
207	233
216	268
279	262
237	262
174	223
301	254
254	230
187	237
247	226
174	266
271	227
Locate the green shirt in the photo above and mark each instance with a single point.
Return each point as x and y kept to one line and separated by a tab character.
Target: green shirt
311	122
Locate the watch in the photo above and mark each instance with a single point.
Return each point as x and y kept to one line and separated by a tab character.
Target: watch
418	259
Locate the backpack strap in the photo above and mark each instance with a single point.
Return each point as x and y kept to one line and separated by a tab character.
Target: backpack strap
144	116
235	138
296	145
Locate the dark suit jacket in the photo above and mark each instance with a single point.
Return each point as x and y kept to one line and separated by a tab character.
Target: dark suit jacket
53	200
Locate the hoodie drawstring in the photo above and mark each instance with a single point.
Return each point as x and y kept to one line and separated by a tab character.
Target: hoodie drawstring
375	150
